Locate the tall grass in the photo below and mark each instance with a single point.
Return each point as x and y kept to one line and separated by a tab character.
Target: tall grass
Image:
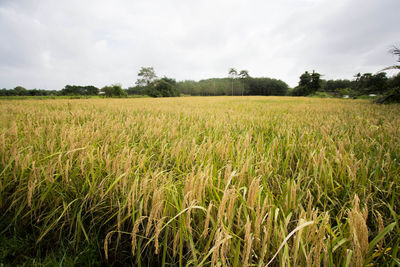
227	181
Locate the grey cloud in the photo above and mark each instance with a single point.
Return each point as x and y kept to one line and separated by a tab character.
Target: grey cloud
52	43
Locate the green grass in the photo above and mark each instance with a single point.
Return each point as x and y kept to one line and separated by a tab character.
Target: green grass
45	97
63	97
235	181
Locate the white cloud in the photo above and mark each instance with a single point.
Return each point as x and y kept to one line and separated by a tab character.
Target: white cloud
48	44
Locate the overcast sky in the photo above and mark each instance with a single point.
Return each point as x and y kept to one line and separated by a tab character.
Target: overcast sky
48	44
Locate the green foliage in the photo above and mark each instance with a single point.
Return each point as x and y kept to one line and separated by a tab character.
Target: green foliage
164	87
315	81
266	86
394	81
334	86
299	91
21	91
305	79
369	83
308	84
20	249
392	96
114	90
233	73
344	91
79	90
244	86
244	74
136	90
322	95
238	88
146	76
148	84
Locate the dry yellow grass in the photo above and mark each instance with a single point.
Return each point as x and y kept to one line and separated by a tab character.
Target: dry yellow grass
205	180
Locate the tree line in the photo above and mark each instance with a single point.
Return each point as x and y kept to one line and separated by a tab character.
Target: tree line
238	83
21	91
310	83
367	84
387	88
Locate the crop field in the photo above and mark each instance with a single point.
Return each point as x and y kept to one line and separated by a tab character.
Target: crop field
199	181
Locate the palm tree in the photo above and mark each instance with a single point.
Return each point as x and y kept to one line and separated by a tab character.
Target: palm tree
395	51
233	74
394	94
244	74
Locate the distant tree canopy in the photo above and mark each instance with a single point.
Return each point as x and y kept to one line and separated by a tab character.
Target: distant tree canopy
392	93
237	83
363	84
207	87
369	83
114	90
335	85
233	74
308	84
146	76
164	87
136	90
148	84
266	86
21	91
79	90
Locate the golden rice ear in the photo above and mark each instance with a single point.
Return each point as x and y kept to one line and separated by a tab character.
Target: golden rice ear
200	181
157	234
359	233
381	226
248	240
108	236
207	220
135	230
253	191
175	243
231	206
215	250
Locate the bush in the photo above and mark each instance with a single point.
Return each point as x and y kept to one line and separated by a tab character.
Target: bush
114	90
299	91
162	88
322	95
392	96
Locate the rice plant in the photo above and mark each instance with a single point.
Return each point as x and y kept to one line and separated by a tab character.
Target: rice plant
204	181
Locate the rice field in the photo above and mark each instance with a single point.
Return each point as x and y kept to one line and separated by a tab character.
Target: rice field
199	181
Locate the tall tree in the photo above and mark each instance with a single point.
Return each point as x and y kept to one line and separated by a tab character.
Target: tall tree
357	76
233	75
393	93
305	79
19	90
315	84
114	90
243	75
370	83
146	76
396	52
308	84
